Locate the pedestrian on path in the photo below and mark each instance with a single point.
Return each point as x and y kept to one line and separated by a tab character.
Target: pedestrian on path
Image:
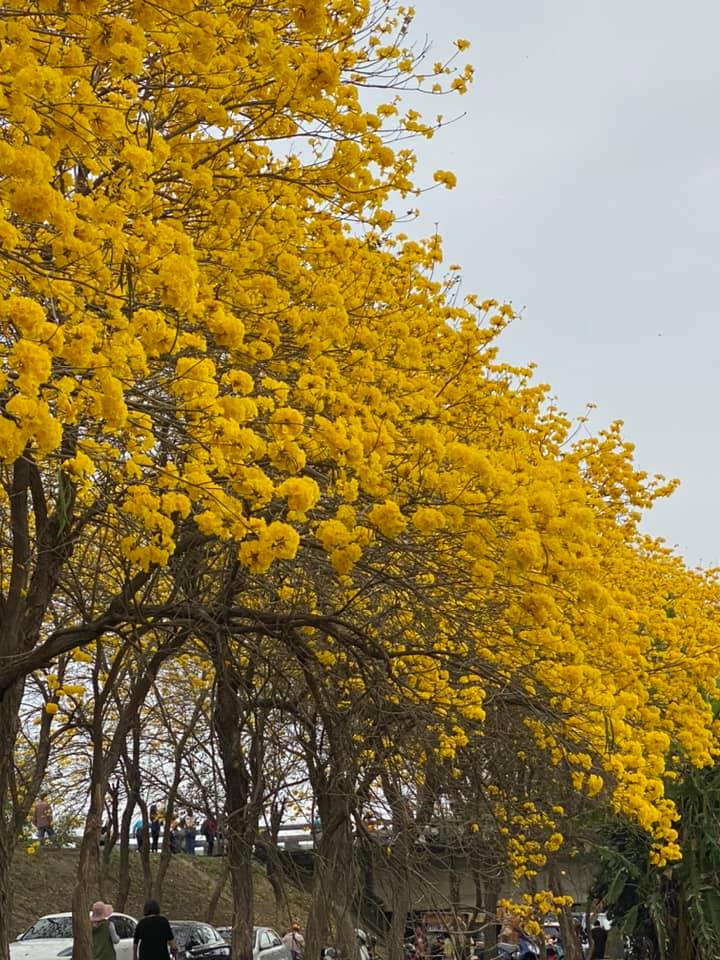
598	936
153	935
104	935
155	824
42	818
209	831
294	941
190	832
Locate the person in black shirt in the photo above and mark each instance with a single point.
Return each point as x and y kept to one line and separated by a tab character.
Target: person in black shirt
599	936
153	935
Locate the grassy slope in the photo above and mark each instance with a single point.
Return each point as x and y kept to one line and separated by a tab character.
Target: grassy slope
43	884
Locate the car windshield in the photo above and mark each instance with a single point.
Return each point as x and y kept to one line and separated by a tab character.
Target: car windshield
197	932
49	927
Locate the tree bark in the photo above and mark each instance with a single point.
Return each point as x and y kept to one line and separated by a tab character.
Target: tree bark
124	867
487	894
273	863
144	850
400	905
240	745
217	892
135	784
336	882
568	930
158	881
7	844
110	838
239	860
9	706
103	763
88	863
401	860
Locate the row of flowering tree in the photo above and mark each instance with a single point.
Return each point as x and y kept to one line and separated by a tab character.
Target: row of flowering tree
248	432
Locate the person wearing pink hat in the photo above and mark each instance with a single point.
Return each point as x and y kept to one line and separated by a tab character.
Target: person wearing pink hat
104	935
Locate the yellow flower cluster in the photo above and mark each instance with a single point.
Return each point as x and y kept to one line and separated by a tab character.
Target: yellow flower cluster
531	909
205	326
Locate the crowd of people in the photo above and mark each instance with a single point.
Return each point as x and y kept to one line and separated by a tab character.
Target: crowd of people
154	938
182	834
182	838
512	942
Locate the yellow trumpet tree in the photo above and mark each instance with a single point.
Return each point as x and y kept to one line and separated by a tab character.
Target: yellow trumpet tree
176	187
216	355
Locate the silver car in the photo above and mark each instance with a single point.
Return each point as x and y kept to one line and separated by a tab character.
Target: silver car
266	943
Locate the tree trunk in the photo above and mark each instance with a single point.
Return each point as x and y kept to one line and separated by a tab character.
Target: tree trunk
275	874
144	850
88	863
217	892
158	880
239	862
454	884
9	706
489	894
273	863
165	851
243	799
400	904
336	883
124	867
7	848
318	933
110	838
103	763
401	858
568	929
568	934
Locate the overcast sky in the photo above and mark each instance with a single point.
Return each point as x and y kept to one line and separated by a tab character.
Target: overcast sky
587	195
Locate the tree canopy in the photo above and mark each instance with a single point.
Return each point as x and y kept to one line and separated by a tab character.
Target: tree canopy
247	420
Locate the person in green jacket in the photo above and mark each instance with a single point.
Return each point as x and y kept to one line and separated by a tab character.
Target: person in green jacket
104	935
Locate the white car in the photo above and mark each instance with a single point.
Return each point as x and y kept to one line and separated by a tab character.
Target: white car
267	944
51	937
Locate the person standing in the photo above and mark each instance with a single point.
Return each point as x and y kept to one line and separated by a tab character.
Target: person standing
509	937
42	818
421	941
176	837
139	832
209	831
294	941
598	936
155	823
190	832
526	947
153	935
104	935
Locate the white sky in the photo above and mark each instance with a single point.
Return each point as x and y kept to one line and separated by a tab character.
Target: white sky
587	194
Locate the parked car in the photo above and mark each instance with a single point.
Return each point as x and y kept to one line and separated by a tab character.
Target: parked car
198	940
268	945
266	941
51	936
